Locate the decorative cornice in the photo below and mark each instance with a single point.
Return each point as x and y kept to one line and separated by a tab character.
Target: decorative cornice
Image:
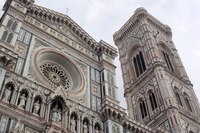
139	14
62	19
112	110
25	3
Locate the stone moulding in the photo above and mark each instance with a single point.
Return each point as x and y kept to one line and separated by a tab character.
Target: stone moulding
140	14
62	19
77	78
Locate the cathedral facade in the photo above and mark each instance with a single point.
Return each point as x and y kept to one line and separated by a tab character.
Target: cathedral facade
55	78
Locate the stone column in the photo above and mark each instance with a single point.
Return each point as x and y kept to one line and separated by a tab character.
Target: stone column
69	121
78	125
65	118
28	103
17	98
31	106
2	75
81	125
48	110
2	92
14	95
41	110
90	128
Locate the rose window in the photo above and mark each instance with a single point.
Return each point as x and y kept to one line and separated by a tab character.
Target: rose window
56	71
55	75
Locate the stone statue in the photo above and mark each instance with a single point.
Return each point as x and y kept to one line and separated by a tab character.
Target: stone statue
36	107
22	101
97	130
73	124
7	94
56	114
59	116
85	127
17	128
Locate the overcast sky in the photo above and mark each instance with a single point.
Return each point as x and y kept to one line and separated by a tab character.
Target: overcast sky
102	18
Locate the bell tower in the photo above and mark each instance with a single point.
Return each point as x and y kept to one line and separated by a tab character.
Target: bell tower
156	86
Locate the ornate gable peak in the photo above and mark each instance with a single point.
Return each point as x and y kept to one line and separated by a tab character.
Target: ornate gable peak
139	14
62	19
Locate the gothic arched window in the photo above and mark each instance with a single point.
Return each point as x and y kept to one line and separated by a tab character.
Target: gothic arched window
153	101
143	109
9	24
4	36
7	37
139	64
178	99
187	102
12	24
167	61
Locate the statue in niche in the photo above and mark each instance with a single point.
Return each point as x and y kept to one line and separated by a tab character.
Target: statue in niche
115	129
7	94
59	116
73	124
17	128
85	127
36	107
22	101
97	130
56	114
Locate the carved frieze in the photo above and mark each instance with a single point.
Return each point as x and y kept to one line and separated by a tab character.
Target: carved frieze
66	39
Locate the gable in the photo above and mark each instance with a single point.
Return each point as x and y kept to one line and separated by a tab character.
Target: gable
64	25
84	42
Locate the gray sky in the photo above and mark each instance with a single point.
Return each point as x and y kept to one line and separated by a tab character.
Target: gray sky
102	18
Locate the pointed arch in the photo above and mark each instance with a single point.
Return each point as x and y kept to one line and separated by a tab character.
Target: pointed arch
60	100
9	39
98	125
187	102
14	25
152	99
143	108
87	116
168	55
39	94
4	36
138	61
25	88
9	24
177	96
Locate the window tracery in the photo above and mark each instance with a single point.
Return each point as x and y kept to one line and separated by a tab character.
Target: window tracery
12	24
55	75
143	109
178	99
187	102
168	61
139	64
7	37
153	101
